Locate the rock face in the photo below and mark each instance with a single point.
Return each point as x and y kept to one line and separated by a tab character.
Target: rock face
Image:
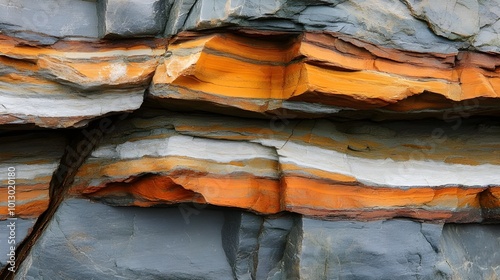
361	170
323	74
195	139
158	243
33	157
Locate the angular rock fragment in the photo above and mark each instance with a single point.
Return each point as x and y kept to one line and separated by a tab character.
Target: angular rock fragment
254	245
91	240
131	18
46	21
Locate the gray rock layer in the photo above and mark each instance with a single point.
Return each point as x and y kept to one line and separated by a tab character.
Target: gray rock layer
20	231
88	240
422	26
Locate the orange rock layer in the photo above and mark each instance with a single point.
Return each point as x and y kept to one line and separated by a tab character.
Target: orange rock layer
71	82
30	201
320	169
259	74
306	196
327	69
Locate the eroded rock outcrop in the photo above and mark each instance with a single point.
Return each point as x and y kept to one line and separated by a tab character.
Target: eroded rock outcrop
360	170
195	139
152	243
324	74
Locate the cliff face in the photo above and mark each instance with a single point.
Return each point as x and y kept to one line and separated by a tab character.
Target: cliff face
196	139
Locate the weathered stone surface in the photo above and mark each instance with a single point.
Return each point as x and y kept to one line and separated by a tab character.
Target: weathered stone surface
131	18
272	244
240	241
45	21
178	14
390	23
395	249
92	241
311	75
385	22
21	229
34	157
254	245
323	74
453	19
70	83
272	139
96	241
359	170
472	250
489	35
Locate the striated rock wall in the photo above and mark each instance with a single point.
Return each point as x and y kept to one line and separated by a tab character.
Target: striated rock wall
195	139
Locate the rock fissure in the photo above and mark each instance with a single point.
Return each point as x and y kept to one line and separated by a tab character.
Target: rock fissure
264	139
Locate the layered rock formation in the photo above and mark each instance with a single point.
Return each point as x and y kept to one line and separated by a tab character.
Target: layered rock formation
356	169
195	139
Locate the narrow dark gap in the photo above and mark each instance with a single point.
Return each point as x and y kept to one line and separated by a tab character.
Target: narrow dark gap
80	145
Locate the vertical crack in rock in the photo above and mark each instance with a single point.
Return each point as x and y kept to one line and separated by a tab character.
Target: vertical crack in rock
80	145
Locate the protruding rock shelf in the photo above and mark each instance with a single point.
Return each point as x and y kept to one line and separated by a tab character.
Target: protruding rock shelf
270	139
321	168
33	157
151	243
69	83
318	74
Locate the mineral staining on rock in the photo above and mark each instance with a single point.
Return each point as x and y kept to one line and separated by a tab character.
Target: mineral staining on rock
34	157
359	170
69	83
222	244
252	139
322	69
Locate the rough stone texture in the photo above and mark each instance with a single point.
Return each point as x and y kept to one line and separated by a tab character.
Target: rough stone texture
270	139
92	241
31	19
323	74
240	242
254	245
69	83
23	226
161	243
34	156
453	19
391	23
472	250
394	249
385	22
131	18
312	58
489	35
360	170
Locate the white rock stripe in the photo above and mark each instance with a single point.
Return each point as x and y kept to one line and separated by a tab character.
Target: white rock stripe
390	173
29	171
187	146
75	105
